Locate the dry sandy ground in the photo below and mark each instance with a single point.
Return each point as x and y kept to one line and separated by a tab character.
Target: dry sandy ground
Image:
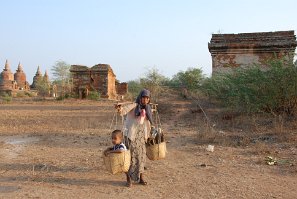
53	150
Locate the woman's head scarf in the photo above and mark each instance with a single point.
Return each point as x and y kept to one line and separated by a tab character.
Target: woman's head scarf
148	109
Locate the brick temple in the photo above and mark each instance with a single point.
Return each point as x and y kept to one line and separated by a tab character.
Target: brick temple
99	78
243	49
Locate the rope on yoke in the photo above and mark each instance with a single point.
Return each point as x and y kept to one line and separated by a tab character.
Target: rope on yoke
158	127
158	118
114	115
115	122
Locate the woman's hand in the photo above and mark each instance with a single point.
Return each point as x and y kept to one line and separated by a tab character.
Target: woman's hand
153	132
118	107
106	152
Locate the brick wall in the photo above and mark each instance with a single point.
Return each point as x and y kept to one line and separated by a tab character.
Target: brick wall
122	88
240	50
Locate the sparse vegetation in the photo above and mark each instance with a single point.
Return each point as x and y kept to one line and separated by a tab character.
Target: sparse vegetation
153	81
254	90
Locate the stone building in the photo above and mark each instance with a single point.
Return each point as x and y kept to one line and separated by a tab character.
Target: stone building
11	83
100	78
234	50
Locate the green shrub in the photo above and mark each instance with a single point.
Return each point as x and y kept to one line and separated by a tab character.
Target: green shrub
6	98
134	88
253	89
93	95
60	98
20	94
29	94
66	96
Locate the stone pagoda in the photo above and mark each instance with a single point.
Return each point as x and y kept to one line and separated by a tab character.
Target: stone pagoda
20	78
7	83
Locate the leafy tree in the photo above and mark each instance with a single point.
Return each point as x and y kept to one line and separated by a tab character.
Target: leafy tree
43	87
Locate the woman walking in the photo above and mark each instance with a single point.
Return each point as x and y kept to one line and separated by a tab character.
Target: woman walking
136	131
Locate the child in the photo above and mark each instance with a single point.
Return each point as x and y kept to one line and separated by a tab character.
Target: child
119	147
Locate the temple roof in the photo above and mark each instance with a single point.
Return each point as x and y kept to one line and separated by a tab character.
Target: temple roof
257	40
102	67
78	68
97	67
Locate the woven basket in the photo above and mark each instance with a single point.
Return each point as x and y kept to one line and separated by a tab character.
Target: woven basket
117	162
156	151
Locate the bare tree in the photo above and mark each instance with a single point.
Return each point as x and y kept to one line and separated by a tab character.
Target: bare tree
153	81
61	75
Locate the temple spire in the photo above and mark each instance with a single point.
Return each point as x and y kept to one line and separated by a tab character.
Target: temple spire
46	77
7	68
20	68
38	72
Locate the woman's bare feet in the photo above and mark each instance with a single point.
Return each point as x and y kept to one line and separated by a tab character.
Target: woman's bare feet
128	183
142	181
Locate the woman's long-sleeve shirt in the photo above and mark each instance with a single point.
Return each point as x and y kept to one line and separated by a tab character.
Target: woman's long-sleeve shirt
132	122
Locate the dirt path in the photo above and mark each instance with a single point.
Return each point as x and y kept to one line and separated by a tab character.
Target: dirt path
54	151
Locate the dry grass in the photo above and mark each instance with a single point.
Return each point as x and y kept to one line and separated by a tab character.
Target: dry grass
233	129
65	141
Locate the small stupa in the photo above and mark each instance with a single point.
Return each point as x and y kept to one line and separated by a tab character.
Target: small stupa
20	77
38	76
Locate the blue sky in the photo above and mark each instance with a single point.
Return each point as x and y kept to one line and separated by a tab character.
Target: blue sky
130	35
